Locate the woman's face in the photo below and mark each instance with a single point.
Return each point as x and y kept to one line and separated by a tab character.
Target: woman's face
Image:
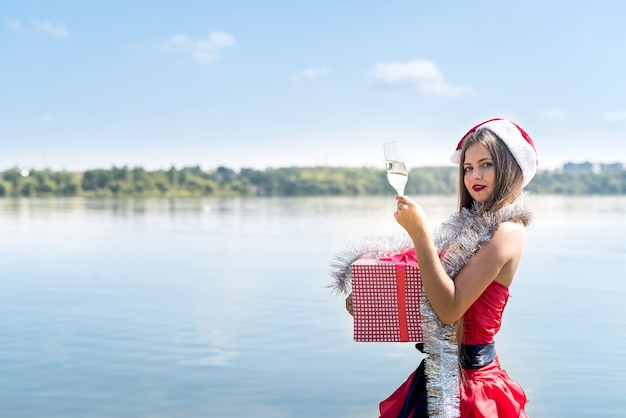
480	173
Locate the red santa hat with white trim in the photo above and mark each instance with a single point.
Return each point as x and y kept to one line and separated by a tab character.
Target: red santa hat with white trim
515	138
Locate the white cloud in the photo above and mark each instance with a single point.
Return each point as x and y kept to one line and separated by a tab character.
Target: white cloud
45	118
309	74
407	73
419	74
58	31
14	26
204	51
553	114
615	116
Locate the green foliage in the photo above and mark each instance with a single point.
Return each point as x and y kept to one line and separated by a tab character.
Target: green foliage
13	176
432	180
287	181
5	188
67	184
556	182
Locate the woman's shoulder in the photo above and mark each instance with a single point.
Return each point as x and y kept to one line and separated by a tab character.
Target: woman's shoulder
511	228
509	237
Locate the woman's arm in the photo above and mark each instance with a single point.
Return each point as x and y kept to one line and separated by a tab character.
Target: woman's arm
497	260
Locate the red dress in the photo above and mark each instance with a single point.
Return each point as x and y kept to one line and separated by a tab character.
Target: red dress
487	392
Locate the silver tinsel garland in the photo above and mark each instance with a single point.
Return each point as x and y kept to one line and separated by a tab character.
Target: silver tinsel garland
373	246
459	238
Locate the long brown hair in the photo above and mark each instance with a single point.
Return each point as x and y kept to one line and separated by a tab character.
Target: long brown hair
508	175
507	189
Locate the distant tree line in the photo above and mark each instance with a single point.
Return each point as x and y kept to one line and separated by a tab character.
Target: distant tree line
288	181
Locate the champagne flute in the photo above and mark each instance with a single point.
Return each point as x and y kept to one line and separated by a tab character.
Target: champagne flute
397	174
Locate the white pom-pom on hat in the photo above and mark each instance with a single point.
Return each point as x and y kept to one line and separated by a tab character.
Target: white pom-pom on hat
516	139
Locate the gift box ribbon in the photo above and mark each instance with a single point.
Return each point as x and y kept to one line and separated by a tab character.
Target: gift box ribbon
401	260
406	256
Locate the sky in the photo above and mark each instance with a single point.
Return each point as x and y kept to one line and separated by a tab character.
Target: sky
276	83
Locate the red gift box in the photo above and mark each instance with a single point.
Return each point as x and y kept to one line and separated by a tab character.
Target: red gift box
385	298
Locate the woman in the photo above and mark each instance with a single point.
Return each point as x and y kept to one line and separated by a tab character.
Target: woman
467	267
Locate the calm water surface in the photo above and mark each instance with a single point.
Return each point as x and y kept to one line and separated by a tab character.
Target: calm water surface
219	308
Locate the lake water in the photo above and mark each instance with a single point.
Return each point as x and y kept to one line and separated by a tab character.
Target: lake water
219	308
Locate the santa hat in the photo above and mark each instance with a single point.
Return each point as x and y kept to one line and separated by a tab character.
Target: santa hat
518	142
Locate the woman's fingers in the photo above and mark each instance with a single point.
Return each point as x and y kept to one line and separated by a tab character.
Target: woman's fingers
349	306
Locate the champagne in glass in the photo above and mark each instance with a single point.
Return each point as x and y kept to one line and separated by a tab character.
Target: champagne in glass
397	174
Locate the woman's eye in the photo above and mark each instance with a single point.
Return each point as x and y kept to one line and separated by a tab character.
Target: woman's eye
468	169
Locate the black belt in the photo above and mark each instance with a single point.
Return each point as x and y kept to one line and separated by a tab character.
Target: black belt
472	356
477	356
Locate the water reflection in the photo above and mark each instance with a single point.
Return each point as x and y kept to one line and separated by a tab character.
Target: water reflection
212	307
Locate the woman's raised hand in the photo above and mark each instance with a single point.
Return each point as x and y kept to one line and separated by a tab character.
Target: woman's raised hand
409	215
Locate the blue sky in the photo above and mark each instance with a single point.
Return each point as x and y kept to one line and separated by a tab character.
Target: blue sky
278	83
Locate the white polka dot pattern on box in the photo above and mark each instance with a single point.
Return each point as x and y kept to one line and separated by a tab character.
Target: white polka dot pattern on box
375	300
